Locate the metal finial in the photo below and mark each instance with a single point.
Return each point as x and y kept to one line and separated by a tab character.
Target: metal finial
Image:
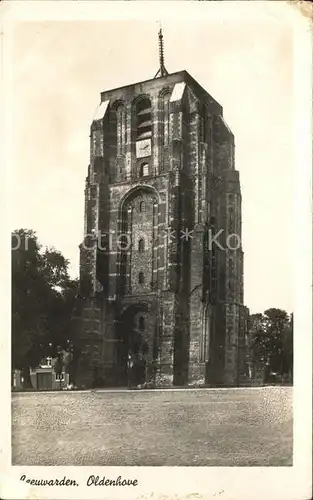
161	48
162	71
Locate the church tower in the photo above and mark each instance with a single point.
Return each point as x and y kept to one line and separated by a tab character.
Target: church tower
161	263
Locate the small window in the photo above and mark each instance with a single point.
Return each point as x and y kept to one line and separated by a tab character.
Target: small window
212	221
144	170
141	245
141	323
123	242
141	278
142	206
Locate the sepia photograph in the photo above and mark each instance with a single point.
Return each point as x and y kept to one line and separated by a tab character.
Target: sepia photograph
152	167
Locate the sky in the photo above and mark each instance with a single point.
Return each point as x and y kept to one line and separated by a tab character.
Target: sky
57	73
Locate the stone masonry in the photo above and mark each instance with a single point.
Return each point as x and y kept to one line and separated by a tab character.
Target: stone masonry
161	184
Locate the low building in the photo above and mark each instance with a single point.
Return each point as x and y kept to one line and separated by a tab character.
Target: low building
43	377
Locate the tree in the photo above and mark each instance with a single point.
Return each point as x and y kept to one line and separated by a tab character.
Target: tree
271	341
276	321
43	297
288	349
29	292
258	340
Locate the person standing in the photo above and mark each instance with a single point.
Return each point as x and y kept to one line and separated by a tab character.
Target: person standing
130	369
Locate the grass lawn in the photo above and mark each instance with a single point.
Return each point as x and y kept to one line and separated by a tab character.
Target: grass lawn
229	427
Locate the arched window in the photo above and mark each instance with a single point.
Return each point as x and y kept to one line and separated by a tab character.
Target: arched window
143	118
141	323
141	245
144	170
141	278
142	206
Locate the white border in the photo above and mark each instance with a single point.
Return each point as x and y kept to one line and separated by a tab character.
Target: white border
179	482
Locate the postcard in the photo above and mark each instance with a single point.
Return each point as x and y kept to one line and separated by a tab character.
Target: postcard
157	337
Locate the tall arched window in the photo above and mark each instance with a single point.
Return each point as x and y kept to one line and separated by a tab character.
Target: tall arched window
120	128
143	118
142	206
141	278
203	124
144	170
141	245
141	323
165	107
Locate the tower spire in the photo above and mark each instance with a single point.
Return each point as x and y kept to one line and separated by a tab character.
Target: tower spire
162	71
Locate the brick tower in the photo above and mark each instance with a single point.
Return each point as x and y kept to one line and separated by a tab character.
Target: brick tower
161	262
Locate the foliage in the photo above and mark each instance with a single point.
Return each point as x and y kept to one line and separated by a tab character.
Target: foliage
43	298
271	340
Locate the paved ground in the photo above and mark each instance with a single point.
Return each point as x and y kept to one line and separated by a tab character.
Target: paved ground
241	427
